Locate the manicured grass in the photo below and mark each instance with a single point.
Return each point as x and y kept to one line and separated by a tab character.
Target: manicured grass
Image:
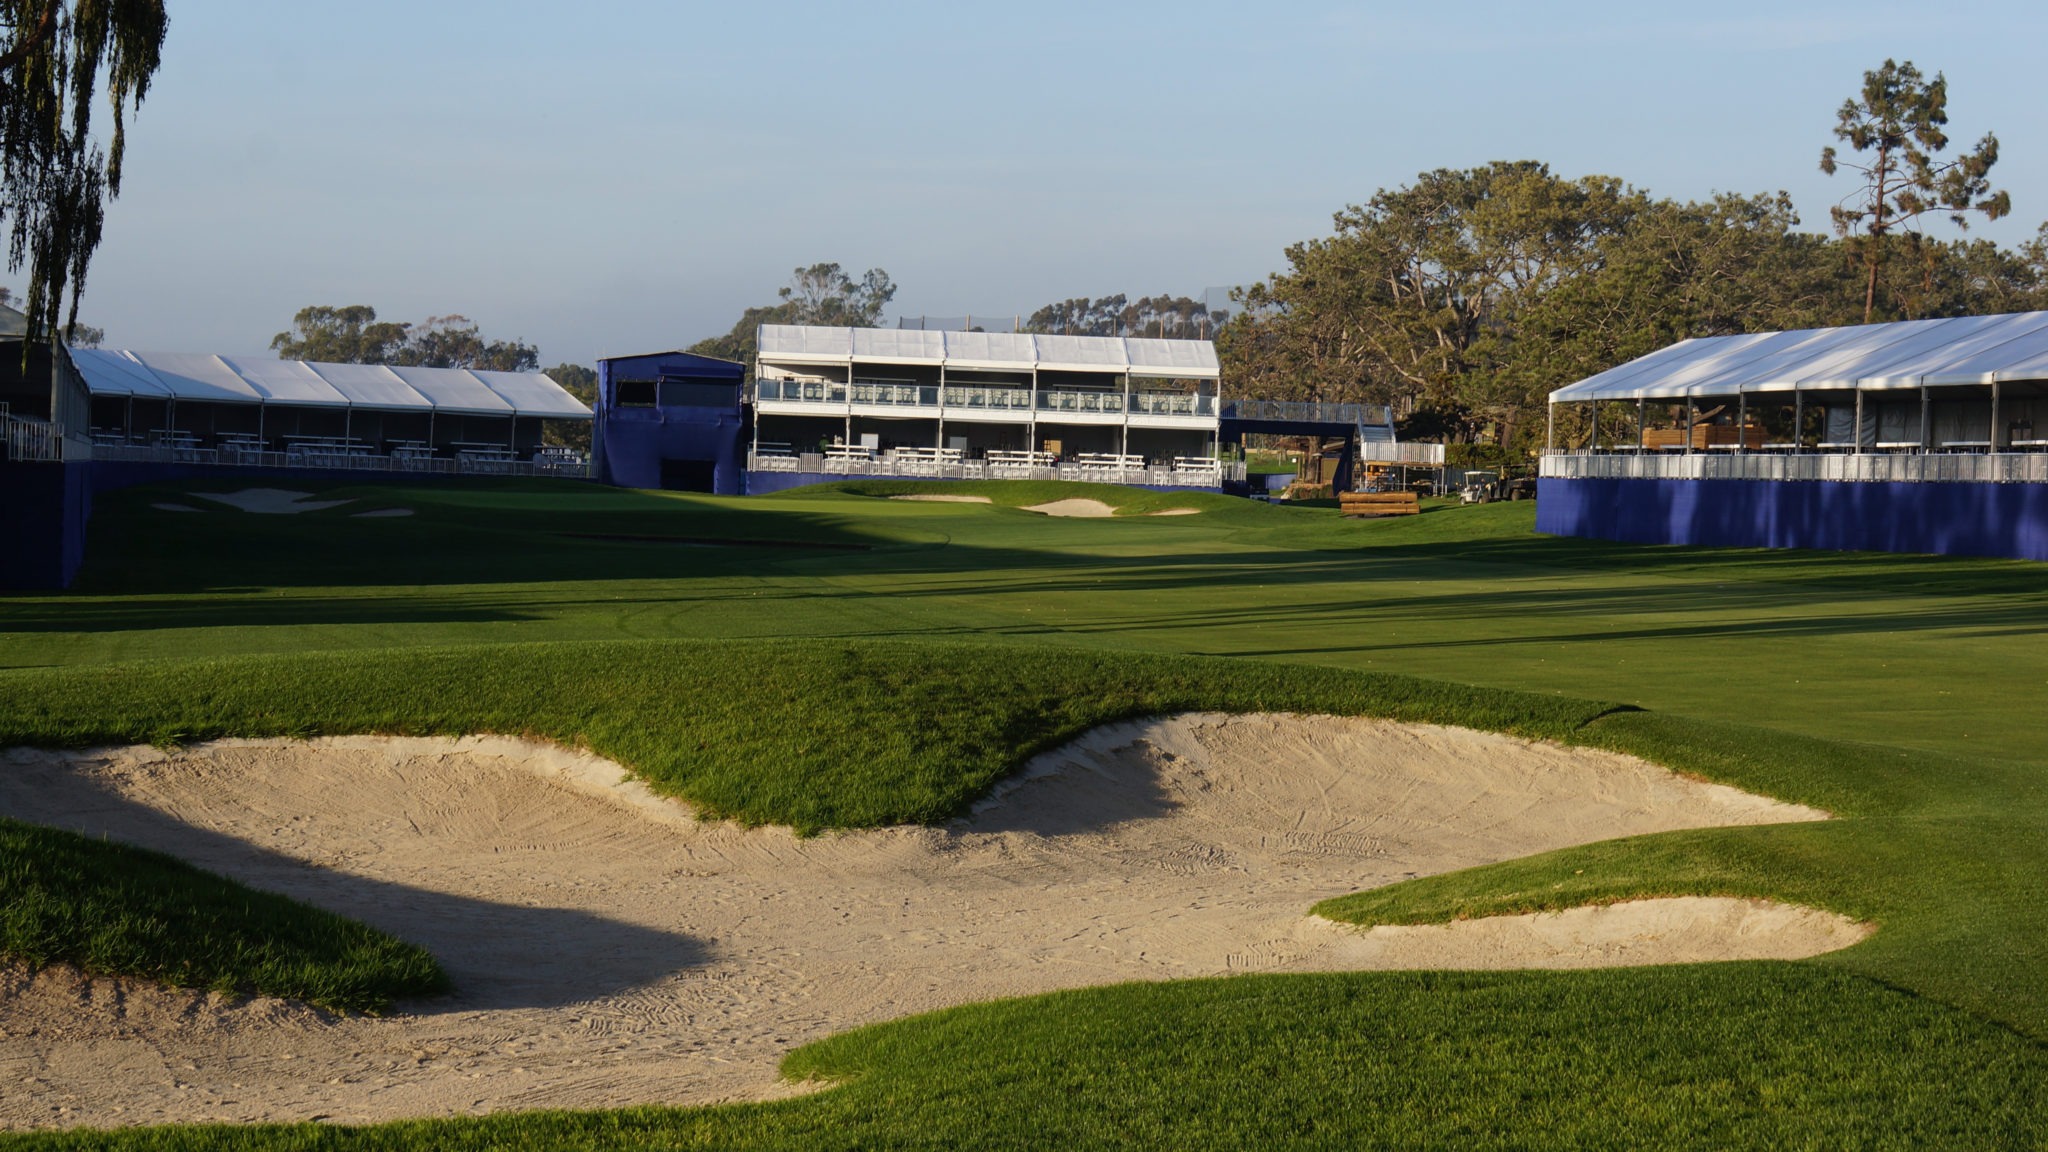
812	734
830	686
1762	1056
116	910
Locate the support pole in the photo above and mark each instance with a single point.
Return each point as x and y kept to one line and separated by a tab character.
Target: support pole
1859	422
1926	411
1741	423
1550	428
1798	421
1642	423
1995	429
1688	425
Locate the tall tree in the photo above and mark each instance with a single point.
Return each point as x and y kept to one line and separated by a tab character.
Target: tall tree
580	381
352	334
55	177
1162	317
821	295
1896	124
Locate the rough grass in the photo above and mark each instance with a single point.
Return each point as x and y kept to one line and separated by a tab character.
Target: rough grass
111	909
811	734
1758	1056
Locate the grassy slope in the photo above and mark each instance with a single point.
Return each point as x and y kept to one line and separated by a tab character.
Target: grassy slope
1943	849
112	909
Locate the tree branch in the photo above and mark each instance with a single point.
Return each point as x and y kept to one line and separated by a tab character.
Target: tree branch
44	29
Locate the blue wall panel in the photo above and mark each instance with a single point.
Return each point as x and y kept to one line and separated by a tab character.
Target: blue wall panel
1941	518
43	510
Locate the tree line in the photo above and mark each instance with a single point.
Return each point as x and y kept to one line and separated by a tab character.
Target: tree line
1465	297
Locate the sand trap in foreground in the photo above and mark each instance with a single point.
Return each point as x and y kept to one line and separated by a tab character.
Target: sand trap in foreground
170	507
1087	509
933	499
607	949
381	514
1176	512
271	501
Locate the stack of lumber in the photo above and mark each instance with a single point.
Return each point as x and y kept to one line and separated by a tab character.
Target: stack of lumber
1380	504
1705	436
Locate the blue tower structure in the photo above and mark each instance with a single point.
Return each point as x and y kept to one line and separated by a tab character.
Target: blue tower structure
671	420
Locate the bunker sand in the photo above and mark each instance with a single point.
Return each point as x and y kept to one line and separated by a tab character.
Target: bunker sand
608	949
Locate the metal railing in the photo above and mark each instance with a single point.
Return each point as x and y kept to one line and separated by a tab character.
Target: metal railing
1172	404
1407	452
1063	400
1308	412
36	441
465	464
986	398
1932	467
1192	473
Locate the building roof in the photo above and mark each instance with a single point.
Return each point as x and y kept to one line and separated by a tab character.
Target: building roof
299	383
1955	351
797	344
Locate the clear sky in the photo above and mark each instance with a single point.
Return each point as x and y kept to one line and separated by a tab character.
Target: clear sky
622	176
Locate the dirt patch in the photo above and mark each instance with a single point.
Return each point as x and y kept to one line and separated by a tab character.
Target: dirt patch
608	949
1176	512
271	501
1086	509
934	499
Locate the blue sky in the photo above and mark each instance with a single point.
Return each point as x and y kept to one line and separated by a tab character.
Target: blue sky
616	177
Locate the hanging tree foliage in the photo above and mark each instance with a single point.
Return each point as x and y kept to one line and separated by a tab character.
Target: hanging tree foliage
55	178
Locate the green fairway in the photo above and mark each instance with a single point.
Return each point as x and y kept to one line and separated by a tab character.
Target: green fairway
834	658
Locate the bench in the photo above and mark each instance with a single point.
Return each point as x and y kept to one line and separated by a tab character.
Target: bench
1366	504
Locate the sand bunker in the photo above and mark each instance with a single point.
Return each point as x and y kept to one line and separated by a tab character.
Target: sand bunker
936	499
607	949
1087	509
1676	930
1176	512
169	507
271	501
381	514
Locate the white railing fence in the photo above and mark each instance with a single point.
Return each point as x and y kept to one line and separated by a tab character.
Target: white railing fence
1981	468
937	464
464	464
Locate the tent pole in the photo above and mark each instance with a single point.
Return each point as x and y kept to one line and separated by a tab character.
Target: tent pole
1741	423
1642	419
1859	421
1798	421
1688	425
1926	407
1549	428
1994	416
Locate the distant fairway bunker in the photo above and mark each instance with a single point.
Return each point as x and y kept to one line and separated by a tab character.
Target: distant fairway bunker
607	948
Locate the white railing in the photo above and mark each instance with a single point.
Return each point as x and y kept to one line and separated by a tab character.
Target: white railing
567	466
987	399
1405	452
1072	401
941	464
1932	467
36	441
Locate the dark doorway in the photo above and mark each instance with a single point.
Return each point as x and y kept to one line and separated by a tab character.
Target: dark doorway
689	475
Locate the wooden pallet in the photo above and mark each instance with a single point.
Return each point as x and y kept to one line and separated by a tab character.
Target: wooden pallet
1360	504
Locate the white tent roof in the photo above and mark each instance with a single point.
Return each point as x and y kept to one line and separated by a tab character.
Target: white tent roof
454	390
246	380
1908	354
109	373
793	343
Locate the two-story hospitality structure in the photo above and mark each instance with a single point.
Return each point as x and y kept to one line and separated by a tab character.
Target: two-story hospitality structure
834	402
1918	436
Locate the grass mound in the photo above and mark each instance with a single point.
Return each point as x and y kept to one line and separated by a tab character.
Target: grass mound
812	734
115	910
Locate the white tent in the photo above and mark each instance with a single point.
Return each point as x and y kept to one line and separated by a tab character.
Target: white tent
1952	352
291	383
801	344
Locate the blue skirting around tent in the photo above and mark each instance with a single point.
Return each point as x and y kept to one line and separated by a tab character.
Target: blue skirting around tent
1950	519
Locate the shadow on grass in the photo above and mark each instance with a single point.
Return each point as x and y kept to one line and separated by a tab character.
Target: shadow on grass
498	956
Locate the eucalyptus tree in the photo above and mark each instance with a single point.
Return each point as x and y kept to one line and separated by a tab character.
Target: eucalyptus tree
1896	126
55	175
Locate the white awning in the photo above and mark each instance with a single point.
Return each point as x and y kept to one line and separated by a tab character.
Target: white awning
287	382
187	376
194	376
1953	351
454	391
109	373
999	351
533	394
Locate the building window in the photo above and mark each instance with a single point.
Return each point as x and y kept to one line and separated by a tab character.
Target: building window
633	393
697	394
